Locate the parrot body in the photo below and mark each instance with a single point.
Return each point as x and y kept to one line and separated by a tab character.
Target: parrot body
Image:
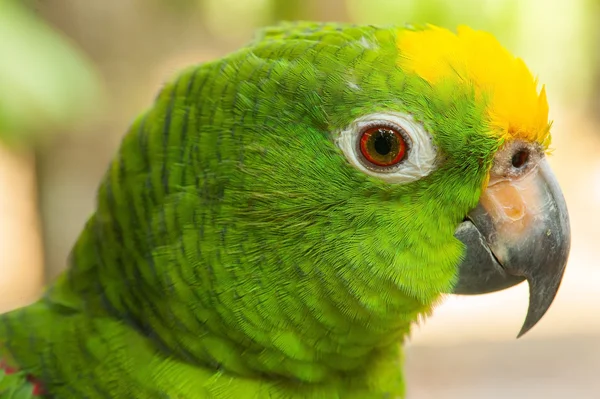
235	251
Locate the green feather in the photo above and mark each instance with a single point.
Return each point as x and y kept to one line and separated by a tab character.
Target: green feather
235	253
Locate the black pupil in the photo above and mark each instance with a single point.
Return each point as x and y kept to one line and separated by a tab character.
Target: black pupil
520	158
384	140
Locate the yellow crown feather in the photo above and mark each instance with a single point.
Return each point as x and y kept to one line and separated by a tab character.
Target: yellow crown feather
515	108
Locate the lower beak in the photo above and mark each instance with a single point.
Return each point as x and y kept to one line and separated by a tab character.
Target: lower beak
518	231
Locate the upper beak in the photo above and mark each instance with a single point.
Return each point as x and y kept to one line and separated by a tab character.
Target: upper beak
518	231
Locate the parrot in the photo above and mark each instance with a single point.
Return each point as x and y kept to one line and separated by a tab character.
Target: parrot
277	221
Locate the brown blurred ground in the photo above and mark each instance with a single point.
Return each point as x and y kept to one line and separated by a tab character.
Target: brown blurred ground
549	368
21	271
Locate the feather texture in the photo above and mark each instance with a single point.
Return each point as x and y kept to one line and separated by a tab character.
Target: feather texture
235	253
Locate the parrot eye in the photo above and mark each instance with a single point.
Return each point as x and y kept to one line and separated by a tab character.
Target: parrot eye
391	146
382	146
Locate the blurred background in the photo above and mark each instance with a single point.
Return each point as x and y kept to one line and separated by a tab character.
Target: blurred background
74	74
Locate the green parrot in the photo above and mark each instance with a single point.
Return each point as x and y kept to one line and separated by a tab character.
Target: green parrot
278	220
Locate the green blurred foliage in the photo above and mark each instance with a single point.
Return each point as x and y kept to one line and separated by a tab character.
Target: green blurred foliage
499	17
290	10
45	83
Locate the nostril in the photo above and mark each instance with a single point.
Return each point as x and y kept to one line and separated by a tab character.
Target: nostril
520	158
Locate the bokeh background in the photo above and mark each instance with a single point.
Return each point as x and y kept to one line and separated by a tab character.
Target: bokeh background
74	74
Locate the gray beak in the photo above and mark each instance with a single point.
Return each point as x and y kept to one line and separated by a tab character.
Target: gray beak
519	231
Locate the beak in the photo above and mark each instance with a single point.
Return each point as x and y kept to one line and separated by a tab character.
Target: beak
518	231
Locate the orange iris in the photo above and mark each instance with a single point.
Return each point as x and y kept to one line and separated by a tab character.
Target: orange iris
382	146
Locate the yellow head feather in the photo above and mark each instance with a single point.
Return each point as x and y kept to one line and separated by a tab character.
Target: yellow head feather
514	107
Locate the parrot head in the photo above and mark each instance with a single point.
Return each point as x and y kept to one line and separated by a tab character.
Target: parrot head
292	208
413	158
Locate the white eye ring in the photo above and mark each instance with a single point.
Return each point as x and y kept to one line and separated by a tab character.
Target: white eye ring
421	153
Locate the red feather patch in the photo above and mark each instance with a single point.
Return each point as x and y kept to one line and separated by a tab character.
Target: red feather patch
37	387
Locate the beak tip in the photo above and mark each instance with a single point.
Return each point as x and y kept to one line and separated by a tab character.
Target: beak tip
542	293
523	331
528	325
